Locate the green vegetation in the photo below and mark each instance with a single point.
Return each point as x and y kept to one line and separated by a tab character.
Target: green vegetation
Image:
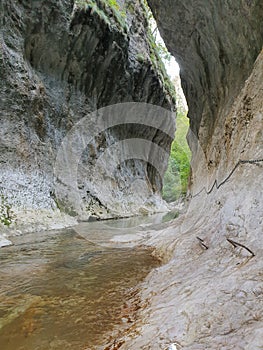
175	182
113	4
92	4
118	12
6	214
140	57
158	51
176	177
105	9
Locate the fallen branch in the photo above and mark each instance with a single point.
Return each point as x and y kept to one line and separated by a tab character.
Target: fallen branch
236	244
201	242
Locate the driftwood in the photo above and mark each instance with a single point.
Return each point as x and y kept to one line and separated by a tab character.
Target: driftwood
236	244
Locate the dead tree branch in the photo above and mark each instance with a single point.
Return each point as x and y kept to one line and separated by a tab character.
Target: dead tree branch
201	242
236	244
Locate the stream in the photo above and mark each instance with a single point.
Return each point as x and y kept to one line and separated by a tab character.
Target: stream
67	289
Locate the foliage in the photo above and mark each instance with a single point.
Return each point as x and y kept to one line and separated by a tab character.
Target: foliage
158	51
113	4
105	7
176	177
163	52
6	214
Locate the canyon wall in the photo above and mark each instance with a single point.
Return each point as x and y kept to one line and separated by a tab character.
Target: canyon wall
216	45
60	63
208	295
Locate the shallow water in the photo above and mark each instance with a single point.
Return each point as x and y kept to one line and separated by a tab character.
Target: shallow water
60	291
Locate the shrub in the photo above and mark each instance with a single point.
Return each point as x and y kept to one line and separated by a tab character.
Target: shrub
6	213
175	181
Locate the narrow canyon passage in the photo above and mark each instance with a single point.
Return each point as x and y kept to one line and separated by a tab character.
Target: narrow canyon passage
87	126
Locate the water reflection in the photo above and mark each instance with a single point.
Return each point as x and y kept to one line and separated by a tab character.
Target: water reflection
60	291
140	221
102	232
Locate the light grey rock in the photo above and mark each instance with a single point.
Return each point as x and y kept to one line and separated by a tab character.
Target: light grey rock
216	44
61	61
212	298
4	242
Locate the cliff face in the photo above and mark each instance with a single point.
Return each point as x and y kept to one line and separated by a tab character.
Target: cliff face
208	294
216	45
61	61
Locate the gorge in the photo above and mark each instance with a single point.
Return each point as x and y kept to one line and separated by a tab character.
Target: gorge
61	61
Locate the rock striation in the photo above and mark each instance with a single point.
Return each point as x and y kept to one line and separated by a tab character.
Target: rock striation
208	295
60	62
216	45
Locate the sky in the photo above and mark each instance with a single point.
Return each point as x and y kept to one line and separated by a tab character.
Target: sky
172	68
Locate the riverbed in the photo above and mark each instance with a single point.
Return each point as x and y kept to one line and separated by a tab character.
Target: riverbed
68	289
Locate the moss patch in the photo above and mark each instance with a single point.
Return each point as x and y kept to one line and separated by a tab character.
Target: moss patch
109	11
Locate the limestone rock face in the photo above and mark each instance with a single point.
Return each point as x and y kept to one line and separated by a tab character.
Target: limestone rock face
61	61
210	297
216	44
209	293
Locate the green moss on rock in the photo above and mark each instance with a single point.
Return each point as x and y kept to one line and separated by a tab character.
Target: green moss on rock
110	11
